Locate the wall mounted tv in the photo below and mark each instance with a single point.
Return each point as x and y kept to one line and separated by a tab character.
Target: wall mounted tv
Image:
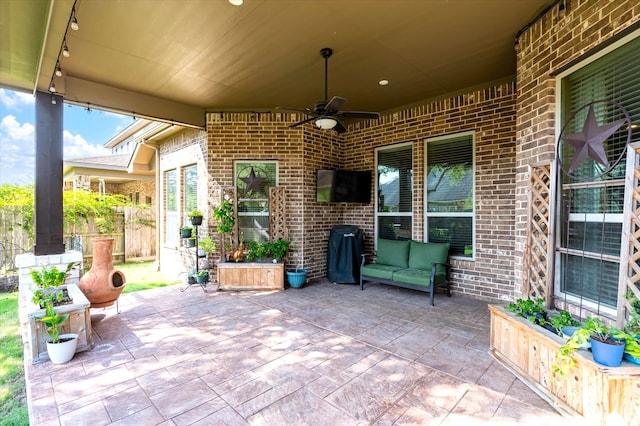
343	186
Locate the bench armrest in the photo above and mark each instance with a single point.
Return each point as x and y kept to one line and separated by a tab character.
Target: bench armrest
364	257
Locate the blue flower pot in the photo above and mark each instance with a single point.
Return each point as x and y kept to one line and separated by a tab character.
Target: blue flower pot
606	353
296	278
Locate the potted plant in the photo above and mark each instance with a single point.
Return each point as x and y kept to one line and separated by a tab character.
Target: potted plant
189	242
206	246
608	344
223	215
196	217
202	277
50	285
632	327
61	347
564	324
185	232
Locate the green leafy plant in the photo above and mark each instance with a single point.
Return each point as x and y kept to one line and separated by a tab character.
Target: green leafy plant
223	215
53	320
257	251
194	213
564	319
279	248
533	310
52	277
203	273
207	244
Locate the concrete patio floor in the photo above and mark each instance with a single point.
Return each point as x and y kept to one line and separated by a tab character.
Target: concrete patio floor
326	354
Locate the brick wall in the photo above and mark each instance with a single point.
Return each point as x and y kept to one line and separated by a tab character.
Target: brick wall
491	114
555	40
177	151
301	151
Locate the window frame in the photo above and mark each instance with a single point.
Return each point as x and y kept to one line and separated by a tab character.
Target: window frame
171	236
186	221
556	183
472	213
251	163
378	213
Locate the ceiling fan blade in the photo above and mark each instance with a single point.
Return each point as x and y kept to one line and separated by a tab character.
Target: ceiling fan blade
303	121
339	128
303	110
334	104
358	114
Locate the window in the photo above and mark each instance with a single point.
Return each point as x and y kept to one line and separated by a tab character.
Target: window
394	186
171	185
591	197
449	192
253	180
190	187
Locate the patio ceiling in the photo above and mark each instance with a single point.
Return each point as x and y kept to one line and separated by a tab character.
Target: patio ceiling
176	59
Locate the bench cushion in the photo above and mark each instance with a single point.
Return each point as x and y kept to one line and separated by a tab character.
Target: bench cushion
375	270
417	277
423	255
393	253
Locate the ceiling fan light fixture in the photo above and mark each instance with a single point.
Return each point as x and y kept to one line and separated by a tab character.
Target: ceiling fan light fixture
326	123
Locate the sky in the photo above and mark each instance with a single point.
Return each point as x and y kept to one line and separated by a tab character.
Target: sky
85	133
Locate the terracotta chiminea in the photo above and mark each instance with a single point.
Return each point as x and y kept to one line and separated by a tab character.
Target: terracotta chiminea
102	285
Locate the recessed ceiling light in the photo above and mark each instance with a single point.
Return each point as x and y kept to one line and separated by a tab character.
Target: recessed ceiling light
383	82
236	2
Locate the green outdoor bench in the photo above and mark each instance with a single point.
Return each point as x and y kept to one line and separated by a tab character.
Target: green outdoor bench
409	264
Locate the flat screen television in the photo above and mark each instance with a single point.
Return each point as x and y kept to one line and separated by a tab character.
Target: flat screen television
343	186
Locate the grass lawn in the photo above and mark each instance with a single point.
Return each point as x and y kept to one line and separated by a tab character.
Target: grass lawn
13	396
142	276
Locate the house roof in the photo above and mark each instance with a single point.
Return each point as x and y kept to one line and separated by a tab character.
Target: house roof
179	59
111	168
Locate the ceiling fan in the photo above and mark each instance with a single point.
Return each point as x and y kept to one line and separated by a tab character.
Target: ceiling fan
327	114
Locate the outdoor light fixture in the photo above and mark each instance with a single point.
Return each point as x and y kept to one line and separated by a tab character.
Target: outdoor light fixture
65	51
326	123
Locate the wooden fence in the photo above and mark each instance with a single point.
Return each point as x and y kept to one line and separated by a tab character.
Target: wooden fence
134	235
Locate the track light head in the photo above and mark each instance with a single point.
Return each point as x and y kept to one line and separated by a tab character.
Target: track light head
58	71
52	88
65	51
74	24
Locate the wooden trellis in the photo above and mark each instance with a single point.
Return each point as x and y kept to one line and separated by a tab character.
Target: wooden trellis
632	273
277	214
538	252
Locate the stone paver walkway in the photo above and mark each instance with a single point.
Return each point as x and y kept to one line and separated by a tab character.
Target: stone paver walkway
326	354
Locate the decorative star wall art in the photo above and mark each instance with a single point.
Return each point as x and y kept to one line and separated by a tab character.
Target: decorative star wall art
590	141
253	182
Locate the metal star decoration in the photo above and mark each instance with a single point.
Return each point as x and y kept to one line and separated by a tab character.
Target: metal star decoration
253	183
589	142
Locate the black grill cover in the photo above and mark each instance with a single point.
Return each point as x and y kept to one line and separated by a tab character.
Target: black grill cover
343	255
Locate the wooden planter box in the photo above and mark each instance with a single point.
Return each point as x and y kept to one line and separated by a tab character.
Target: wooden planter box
79	322
251	276
602	395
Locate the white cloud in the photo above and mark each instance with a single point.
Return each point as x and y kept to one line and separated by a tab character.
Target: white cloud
75	146
17	150
16	100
